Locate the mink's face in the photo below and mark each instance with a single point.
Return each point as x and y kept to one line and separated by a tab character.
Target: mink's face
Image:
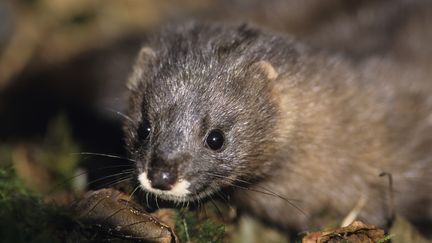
197	125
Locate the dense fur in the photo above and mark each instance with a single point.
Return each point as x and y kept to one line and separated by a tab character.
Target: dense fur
318	128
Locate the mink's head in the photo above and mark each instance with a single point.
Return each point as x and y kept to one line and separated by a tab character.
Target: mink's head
201	111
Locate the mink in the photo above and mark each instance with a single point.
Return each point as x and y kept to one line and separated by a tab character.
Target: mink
215	106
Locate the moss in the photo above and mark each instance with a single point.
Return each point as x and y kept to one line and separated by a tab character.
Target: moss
28	219
25	218
190	227
386	238
10	184
24	215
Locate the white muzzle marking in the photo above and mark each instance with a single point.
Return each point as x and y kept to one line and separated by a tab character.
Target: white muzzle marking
180	189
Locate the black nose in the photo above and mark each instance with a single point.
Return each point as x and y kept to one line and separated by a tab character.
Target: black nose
162	179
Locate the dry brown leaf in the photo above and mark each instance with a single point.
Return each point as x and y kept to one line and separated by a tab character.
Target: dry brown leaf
355	232
113	213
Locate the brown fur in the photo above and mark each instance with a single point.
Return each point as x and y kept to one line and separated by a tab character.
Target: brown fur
298	122
349	126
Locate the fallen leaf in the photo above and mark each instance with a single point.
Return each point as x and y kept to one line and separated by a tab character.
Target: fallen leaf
113	213
353	233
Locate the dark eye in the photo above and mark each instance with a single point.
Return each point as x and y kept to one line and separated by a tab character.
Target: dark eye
144	130
215	139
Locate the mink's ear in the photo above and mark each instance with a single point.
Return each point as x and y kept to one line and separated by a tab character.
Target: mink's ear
264	69
145	57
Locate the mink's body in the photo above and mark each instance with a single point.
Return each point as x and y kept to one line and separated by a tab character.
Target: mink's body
294	120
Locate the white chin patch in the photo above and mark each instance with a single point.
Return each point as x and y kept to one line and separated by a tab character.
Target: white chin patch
179	190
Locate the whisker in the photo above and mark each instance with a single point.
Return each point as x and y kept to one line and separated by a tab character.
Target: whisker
121	114
198	199
270	194
131	195
266	190
217	208
220	194
63	182
123	176
232	181
105	155
147	199
124	172
116	181
157	204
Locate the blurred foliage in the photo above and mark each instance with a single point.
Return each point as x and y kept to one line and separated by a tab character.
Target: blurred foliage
402	231
10	184
58	151
52	31
249	230
24	216
51	164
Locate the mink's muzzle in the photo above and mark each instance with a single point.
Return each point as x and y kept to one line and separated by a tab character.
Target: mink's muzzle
162	174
